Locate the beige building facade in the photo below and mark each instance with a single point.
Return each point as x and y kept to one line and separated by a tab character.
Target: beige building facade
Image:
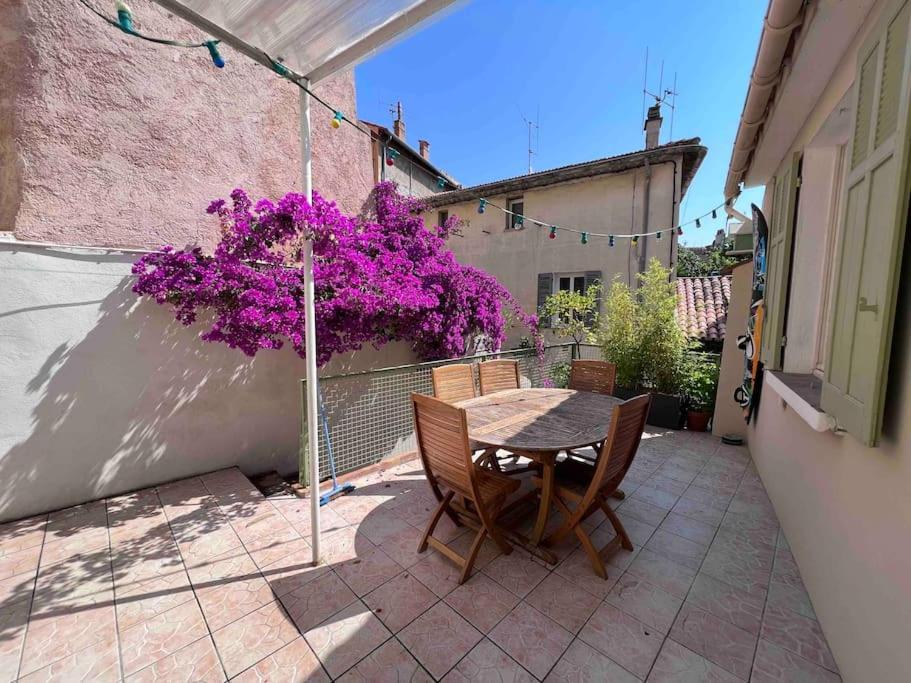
832	435
632	193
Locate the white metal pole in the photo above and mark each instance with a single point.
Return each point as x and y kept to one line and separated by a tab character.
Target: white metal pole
310	335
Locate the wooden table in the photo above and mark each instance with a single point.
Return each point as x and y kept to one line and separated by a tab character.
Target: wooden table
538	424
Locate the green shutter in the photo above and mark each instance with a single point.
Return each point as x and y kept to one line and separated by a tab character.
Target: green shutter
873	228
591	277
545	289
778	262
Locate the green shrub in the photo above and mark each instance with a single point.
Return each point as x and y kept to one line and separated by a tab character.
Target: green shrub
700	382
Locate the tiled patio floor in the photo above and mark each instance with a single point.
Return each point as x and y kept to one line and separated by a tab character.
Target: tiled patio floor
204	579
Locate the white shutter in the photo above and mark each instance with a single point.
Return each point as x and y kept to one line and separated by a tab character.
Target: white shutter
873	228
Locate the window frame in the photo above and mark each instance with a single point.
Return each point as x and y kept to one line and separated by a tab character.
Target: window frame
510	218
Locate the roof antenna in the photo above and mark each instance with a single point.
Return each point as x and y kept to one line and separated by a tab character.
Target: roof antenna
532	125
665	96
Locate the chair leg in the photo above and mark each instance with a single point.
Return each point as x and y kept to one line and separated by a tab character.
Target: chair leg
504	546
472	555
435	519
593	555
616	523
565	529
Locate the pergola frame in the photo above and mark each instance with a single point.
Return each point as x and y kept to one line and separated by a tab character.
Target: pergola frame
381	35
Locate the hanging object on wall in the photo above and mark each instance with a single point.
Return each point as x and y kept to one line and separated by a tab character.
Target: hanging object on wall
635	239
748	393
337	119
217	59
553	233
391	156
441	183
610	241
679	230
698	223
658	235
481	205
584	238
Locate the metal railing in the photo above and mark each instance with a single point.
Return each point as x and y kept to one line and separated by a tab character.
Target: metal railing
368	414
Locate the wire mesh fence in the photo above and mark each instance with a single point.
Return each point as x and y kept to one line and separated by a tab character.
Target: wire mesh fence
367	415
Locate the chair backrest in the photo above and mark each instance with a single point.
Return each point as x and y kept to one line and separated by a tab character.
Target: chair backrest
498	375
453	383
620	446
592	375
442	434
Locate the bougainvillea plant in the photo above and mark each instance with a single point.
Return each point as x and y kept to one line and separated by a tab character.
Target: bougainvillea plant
381	278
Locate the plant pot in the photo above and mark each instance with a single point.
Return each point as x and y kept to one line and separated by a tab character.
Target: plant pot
698	420
666	410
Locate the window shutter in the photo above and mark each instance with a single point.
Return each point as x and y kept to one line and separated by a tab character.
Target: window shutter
591	277
873	227
545	289
778	262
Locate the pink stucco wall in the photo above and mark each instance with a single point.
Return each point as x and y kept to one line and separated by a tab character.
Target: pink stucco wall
109	140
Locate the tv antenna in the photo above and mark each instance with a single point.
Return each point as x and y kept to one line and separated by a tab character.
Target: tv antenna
532	149
665	96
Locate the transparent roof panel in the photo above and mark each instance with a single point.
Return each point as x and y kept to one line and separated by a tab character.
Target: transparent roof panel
315	37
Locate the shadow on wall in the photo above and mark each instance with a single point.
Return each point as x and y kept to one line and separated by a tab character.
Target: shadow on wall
105	395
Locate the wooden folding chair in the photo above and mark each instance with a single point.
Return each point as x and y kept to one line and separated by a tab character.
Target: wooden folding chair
498	375
442	435
453	383
597	376
586	487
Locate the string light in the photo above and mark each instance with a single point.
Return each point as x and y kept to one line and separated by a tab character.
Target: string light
584	238
391	156
635	239
553	232
481	205
518	219
610	241
337	119
679	230
441	183
217	59
658	235
124	16
714	214
698	223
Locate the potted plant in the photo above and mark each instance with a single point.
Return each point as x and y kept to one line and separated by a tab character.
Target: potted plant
641	337
699	385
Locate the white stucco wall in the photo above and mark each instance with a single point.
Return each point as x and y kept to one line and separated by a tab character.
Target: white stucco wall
101	393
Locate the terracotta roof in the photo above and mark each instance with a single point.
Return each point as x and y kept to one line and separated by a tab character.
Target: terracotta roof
702	306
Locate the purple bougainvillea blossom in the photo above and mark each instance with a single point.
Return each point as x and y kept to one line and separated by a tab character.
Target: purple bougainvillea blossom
382	278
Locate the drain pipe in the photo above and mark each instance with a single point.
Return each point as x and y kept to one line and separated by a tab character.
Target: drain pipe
781	20
643	241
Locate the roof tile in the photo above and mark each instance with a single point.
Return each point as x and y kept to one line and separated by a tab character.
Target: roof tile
702	306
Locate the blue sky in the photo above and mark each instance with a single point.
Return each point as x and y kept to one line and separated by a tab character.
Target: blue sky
467	80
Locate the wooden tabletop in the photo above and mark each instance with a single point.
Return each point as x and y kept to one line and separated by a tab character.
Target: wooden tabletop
539	419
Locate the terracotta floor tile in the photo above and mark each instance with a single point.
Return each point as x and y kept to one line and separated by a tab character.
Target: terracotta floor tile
22	534
161	636
228	587
195	663
139	602
13	621
403	546
776	665
425	638
370	570
758	529
356	507
661	482
743	571
700	511
344	639
487	662
297	512
208	544
563	601
677	548
638	531
718	641
251	638
77	520
583	664
400	601
668	575
317	600
20	562
726	602
294	662
16	589
692	529
63	632
646	602
488	553
532	639
578	569
794	598
625	640
517	572
677	664
381	525
643	511
438	573
797	634
389	662
97	663
785	569
343	545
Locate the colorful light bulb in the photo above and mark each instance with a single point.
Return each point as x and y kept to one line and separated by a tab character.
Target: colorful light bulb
635	239
584	238
698	223
124	16
441	183
610	240
658	235
481	205
679	230
337	119
553	233
714	213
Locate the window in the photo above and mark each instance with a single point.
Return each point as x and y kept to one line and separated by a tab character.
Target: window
551	283
442	217
514	220
569	283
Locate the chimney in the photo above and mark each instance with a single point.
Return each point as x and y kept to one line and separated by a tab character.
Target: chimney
425	149
398	125
653	126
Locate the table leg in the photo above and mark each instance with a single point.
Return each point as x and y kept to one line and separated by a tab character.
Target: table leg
547	492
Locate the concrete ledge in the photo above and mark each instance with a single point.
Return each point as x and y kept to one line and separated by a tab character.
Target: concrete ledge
802	393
